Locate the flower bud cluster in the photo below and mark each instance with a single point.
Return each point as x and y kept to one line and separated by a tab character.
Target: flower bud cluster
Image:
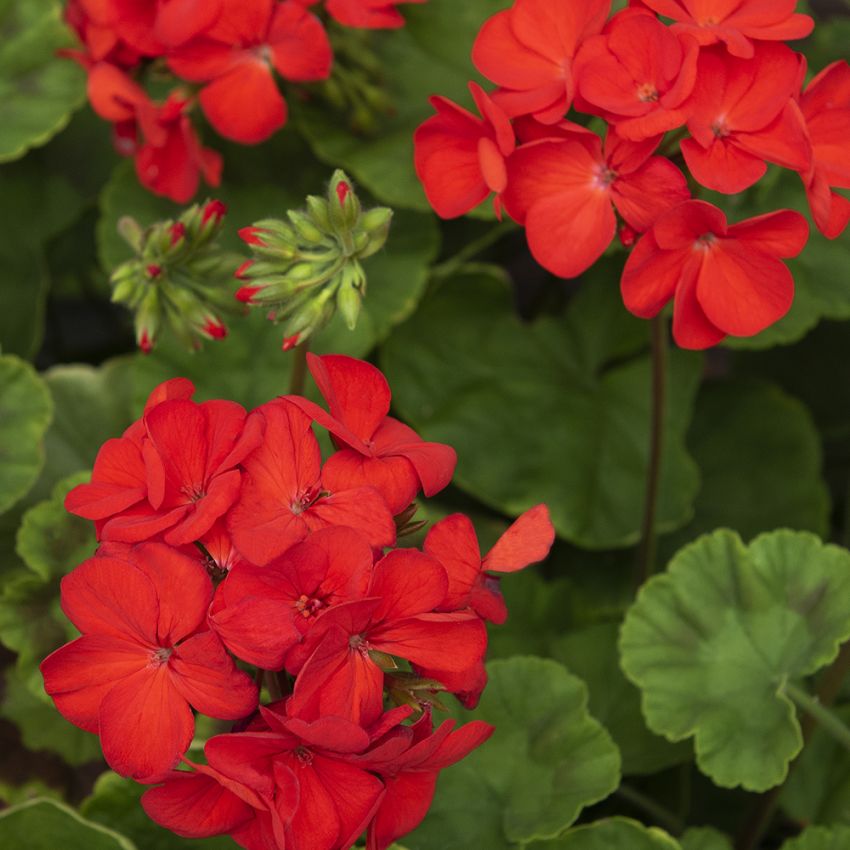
176	280
310	265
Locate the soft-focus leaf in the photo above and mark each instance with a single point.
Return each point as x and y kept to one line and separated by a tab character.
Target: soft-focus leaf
820	838
704	838
547	760
591	654
25	411
557	411
38	89
713	641
114	802
613	834
431	55
43	824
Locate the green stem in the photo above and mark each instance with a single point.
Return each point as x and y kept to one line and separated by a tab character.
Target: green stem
821	714
273	685
472	249
299	368
647	550
662	816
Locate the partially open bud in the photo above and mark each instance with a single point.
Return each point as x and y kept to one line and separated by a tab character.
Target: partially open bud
308	266
177	280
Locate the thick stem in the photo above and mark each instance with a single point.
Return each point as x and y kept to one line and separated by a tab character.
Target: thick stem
299	368
647	549
829	686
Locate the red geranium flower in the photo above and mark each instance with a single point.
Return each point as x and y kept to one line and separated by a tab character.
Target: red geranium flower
284	496
742	113
528	50
736	23
144	657
637	75
566	190
459	157
453	542
725	279
826	108
236	58
379	451
365	14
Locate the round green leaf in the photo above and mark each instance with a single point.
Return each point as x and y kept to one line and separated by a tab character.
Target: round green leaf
547	760
613	834
557	411
820	838
712	642
25	411
438	38
591	653
44	824
749	440
38	89
705	838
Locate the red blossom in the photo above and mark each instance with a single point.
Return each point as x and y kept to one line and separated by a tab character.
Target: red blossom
143	659
724	279
379	451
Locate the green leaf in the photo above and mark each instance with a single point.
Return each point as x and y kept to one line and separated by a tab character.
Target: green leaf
41	726
114	802
25	411
712	642
705	838
547	760
38	89
591	654
820	838
818	789
556	412
438	38
44	824
749	440
612	834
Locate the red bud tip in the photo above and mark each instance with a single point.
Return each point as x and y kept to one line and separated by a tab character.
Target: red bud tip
290	342
246	293
628	235
153	270
342	191
178	232
145	343
239	274
214	209
215	329
251	236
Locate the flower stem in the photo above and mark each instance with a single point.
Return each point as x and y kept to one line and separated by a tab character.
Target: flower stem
824	718
662	816
299	368
472	249
647	550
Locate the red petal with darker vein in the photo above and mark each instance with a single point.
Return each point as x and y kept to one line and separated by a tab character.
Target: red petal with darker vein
221	493
691	327
643	195
407	582
527	541
408	798
360	508
724	166
453	542
145	725
651	276
244	104
195	806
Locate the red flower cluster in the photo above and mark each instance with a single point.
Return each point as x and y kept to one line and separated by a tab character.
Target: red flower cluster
230	49
719	77
221	531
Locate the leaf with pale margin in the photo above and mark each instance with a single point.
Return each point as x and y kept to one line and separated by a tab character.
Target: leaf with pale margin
38	89
820	838
612	834
25	412
547	760
43	824
705	838
712	642
557	411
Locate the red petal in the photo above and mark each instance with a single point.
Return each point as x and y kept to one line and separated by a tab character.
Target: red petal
643	195
112	94
527	541
684	224
360	508
783	233
408	582
244	104
453	542
406	803
691	327
650	277
300	47
724	166
145	725
179	20
393	477
221	493
174	388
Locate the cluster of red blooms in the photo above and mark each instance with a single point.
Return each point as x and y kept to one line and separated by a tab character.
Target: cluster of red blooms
227	50
221	532
719	79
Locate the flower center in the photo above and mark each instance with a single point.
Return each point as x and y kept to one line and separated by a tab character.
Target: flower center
308	607
604	177
647	93
160	656
304	756
304	499
360	644
704	242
